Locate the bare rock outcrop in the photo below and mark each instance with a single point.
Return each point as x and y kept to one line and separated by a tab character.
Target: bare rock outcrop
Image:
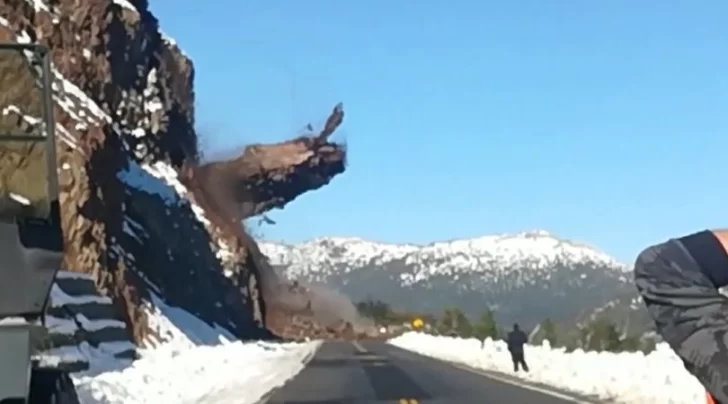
124	110
268	176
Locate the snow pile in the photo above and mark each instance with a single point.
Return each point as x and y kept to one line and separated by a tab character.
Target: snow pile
628	378
229	373
189	361
181	348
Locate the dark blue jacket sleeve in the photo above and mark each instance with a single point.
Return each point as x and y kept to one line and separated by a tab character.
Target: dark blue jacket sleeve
679	286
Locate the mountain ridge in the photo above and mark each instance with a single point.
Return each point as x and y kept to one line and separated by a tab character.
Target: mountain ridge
526	276
591	252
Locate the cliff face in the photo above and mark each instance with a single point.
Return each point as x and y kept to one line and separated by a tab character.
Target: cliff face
123	104
123	100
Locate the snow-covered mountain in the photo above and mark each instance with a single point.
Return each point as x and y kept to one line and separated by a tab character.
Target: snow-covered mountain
525	277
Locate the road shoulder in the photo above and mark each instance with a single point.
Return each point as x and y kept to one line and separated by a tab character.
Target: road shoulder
531	385
305	361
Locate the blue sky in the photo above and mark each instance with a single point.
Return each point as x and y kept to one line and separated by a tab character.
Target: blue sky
600	121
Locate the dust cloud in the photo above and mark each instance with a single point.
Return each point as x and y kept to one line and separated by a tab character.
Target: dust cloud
217	188
327	306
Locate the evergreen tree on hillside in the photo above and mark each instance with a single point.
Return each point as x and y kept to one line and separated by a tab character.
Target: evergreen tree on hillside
454	322
377	310
548	328
604	335
611	338
632	343
593	336
486	326
464	327
447	320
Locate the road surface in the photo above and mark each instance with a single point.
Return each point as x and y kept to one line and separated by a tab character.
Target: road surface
376	372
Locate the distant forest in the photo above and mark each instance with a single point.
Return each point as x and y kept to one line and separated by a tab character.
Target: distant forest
598	335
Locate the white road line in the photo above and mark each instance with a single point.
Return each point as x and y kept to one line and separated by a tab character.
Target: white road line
521	385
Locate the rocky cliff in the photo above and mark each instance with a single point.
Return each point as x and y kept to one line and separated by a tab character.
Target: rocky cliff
141	216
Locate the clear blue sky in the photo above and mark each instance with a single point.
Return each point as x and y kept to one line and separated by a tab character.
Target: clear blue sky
600	121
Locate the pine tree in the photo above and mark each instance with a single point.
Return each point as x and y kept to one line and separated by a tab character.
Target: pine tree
486	326
601	335
631	343
548	328
464	327
377	310
612	340
455	322
447	321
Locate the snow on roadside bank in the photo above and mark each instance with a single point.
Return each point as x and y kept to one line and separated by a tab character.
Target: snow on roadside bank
192	362
232	372
628	378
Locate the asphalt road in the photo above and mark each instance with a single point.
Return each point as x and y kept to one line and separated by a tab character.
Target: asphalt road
374	372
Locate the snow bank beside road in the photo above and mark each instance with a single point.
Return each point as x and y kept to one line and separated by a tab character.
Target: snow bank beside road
191	362
232	372
628	378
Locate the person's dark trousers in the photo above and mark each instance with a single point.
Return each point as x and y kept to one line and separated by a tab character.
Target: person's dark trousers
518	359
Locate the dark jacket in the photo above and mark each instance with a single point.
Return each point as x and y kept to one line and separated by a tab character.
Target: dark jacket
516	339
679	282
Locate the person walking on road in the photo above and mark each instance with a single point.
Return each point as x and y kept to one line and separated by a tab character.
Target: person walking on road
516	340
678	281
